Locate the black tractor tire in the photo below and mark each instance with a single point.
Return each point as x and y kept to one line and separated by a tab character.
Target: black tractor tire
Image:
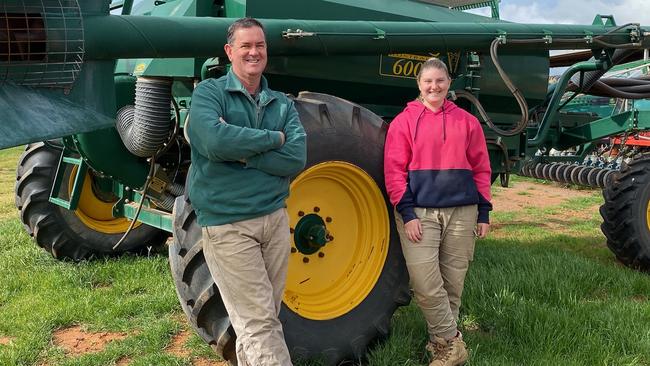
60	231
625	213
197	292
337	130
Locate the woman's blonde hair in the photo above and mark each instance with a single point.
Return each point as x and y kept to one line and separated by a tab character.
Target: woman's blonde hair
433	63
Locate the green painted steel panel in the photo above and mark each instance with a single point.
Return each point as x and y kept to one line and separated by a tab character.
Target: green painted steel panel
107	155
235	8
369	56
204	37
604	127
149	216
179	67
103	148
124	90
373	80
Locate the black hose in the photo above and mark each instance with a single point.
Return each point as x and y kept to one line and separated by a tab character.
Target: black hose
604	90
519	97
625	81
588	79
140	204
632	89
481	111
584	81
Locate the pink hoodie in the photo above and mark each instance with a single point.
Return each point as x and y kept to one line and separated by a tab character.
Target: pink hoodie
437	159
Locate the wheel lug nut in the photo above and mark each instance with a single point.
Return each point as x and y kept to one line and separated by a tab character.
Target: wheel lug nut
305	260
300	213
291	230
321	254
316	209
328	219
293	250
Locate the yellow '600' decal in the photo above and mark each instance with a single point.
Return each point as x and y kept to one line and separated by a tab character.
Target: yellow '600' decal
406	65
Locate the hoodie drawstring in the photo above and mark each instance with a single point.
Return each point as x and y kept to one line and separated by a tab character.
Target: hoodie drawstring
444	122
417	122
444	125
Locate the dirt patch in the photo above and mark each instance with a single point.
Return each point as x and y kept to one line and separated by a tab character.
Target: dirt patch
522	195
640	298
583	214
206	362
75	341
177	348
177	345
124	361
5	341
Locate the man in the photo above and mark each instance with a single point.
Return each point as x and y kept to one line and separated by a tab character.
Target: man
247	141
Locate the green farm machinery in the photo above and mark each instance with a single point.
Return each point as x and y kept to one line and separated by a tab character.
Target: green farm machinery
100	93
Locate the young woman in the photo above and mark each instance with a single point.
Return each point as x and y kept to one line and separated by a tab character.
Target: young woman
437	174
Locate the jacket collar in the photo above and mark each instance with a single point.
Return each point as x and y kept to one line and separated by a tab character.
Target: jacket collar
233	84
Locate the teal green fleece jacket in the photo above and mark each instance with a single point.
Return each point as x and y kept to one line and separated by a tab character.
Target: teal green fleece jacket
240	168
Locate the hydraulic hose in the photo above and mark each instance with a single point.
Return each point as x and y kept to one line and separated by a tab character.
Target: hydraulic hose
586	80
633	92
460	93
519	97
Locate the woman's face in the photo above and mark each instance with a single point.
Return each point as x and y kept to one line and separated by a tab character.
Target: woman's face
434	85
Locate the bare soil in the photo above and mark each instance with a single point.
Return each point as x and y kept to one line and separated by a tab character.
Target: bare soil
177	345
124	361
5	341
177	348
206	362
522	195
76	341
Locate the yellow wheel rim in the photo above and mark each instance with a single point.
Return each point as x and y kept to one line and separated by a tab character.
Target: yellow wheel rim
95	213
337	278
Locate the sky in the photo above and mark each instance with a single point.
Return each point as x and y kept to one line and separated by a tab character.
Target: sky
573	11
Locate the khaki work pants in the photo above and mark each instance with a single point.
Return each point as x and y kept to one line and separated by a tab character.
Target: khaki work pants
438	263
248	262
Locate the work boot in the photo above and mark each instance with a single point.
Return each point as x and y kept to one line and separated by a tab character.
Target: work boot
451	352
435	348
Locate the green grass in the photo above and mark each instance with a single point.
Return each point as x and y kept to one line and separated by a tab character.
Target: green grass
543	290
39	294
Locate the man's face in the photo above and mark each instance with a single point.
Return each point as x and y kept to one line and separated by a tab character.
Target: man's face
247	52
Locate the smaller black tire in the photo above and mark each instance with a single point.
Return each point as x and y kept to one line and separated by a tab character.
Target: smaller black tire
625	213
60	231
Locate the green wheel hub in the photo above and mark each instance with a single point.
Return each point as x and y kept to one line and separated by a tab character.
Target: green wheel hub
310	234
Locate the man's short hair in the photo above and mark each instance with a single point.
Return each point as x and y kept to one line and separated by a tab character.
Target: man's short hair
242	23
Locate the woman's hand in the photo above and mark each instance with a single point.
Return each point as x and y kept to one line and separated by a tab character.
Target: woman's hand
413	230
482	229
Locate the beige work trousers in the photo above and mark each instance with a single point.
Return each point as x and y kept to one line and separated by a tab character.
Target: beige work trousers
438	263
248	262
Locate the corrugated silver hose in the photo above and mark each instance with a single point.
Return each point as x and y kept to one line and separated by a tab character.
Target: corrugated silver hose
176	189
145	128
167	199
